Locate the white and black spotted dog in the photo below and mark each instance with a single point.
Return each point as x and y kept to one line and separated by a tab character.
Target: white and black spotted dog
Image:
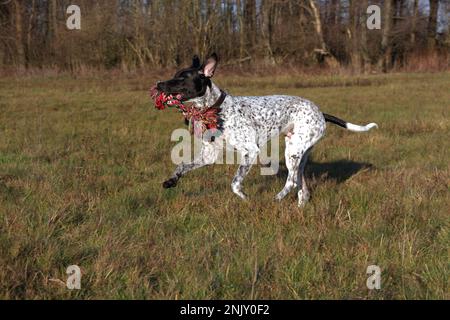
248	123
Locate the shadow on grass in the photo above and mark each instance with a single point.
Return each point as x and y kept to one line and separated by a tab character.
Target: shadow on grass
338	171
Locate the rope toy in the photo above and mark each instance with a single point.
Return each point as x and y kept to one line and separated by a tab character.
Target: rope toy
199	120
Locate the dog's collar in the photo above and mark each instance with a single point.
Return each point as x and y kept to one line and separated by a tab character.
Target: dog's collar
221	99
204	119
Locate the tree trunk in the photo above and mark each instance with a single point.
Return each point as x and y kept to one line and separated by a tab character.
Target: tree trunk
250	23
322	55
18	10
432	23
336	11
29	31
352	32
267	29
240	18
52	25
412	36
139	42
366	63
385	58
318	25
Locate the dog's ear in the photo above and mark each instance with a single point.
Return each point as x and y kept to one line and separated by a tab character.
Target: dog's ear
195	62
209	67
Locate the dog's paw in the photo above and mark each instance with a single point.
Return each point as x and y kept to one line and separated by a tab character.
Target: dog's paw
242	195
172	182
303	198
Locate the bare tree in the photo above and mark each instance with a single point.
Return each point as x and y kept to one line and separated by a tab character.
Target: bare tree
29	33
132	34
385	56
18	12
267	29
352	31
250	22
322	53
364	48
414	18
432	23
52	25
322	50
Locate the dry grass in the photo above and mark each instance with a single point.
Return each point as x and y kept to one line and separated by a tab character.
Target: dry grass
81	166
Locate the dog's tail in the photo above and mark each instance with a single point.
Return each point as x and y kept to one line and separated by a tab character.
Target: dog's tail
348	125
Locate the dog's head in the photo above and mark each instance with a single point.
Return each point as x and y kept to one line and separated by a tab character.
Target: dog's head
191	82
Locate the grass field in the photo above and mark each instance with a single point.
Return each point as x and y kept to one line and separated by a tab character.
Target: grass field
82	162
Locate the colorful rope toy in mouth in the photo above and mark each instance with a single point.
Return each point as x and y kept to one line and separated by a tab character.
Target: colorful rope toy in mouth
199	120
163	100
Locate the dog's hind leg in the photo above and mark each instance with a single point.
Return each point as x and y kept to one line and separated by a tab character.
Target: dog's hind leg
298	147
308	128
303	193
207	155
293	154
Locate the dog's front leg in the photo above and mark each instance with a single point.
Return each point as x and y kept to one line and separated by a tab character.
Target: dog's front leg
248	158
208	155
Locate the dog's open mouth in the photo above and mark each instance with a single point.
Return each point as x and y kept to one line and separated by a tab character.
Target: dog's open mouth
163	100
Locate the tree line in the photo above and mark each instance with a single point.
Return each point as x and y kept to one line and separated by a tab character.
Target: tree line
133	34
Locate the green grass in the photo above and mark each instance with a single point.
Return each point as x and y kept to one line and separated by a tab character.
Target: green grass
81	167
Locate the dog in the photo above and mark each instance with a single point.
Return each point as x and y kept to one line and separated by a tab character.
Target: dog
248	123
